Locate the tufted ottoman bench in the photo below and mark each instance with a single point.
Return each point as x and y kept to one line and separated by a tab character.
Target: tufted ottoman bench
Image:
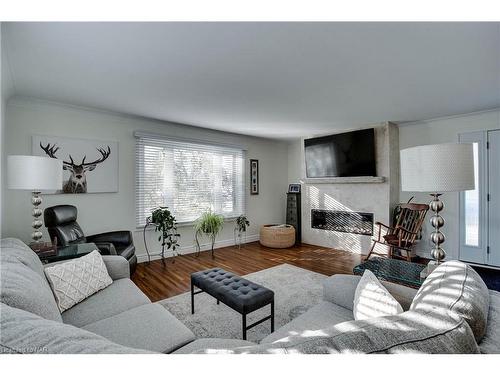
234	291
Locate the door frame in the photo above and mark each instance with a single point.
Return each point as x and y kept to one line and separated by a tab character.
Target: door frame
493	255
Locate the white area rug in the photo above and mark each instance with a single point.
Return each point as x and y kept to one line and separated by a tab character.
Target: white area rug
295	291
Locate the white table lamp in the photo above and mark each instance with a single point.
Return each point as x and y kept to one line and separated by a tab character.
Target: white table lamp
434	169
37	174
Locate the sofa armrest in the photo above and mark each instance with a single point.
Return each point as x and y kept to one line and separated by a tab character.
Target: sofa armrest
117	266
106	248
122	237
340	289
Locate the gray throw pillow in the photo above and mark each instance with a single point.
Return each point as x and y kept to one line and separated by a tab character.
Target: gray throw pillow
457	287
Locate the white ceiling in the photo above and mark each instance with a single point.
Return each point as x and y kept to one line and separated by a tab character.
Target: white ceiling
277	80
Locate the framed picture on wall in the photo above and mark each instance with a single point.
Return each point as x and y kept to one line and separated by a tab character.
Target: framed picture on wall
294	188
254	176
89	166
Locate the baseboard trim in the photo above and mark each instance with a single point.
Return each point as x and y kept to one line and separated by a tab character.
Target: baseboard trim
141	258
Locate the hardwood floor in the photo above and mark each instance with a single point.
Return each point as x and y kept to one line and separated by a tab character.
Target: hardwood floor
162	279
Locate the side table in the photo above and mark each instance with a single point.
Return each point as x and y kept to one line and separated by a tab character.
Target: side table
69	252
393	270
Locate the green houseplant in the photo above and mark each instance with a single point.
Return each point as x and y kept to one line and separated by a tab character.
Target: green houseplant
240	228
208	224
165	223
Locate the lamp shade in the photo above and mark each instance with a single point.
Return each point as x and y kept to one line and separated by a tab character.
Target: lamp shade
35	173
438	168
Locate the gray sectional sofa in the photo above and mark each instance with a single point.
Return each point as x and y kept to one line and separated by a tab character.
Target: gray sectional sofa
453	312
117	319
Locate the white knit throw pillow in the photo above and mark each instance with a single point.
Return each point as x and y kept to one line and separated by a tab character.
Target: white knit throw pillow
77	279
372	300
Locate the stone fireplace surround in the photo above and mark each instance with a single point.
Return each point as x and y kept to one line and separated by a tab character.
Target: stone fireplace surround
367	195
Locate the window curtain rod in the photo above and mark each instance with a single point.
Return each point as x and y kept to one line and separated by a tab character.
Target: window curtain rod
141	134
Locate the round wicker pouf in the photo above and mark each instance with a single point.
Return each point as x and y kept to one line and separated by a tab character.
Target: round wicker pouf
277	236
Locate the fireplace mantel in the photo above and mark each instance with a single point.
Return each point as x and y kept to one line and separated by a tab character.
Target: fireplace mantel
345	180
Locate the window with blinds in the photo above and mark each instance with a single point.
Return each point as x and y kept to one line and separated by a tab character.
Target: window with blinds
188	177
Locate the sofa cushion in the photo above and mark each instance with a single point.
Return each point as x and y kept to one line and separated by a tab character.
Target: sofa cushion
25	289
18	249
23	332
372	299
149	327
409	332
490	344
120	296
208	346
77	279
325	314
457	287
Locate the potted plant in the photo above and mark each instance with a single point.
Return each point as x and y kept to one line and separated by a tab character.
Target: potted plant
165	223
241	226
210	225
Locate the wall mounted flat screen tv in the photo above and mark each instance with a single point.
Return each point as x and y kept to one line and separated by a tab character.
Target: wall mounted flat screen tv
349	154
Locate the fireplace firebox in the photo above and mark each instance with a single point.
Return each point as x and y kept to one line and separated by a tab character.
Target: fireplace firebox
343	221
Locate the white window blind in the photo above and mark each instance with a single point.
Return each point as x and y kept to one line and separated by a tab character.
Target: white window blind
188	177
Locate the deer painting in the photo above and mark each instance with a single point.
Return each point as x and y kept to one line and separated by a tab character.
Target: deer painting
77	182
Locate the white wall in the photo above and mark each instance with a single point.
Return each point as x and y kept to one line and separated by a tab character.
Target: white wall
442	131
2	124
5	92
113	211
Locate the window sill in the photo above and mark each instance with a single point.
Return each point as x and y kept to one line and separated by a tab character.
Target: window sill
345	180
182	224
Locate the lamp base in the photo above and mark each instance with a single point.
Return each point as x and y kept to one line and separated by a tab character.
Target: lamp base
437	221
37	223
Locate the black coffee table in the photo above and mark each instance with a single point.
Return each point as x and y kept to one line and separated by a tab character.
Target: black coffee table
393	270
234	291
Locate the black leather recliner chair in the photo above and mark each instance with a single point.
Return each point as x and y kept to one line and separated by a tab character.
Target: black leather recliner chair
61	223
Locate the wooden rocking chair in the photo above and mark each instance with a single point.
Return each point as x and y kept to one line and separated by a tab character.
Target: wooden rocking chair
405	233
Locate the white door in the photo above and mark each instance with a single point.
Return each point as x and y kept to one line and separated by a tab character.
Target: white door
480	208
494	198
473	205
